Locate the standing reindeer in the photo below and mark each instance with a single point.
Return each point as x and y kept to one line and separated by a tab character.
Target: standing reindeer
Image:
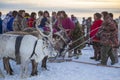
31	48
28	31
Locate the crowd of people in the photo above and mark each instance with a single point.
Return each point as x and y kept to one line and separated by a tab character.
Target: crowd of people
102	34
19	20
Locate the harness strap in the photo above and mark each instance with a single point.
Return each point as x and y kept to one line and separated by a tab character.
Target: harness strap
33	53
34	49
17	49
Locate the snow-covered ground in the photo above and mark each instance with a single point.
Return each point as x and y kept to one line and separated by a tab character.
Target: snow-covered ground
70	70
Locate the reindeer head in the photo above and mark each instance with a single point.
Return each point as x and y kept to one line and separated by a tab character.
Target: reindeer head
57	42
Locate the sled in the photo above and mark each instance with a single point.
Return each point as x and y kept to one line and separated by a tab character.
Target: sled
60	60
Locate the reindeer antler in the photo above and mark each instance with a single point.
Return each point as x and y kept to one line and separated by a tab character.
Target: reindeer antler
44	35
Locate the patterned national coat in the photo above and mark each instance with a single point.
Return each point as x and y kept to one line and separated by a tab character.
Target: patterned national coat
119	35
78	33
108	33
17	24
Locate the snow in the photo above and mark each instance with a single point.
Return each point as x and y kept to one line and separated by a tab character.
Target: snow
69	70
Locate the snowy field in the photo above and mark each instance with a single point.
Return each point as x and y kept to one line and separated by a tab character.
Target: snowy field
70	70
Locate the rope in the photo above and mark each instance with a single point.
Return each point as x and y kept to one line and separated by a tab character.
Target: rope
86	34
82	43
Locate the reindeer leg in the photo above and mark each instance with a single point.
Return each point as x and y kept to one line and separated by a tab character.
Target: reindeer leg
4	62
10	66
36	65
44	61
24	69
34	68
7	66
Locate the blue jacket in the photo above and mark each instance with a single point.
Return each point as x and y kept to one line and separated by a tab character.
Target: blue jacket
10	24
0	26
43	22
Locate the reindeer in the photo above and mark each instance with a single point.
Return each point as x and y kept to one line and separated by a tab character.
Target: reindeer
26	31
36	50
33	32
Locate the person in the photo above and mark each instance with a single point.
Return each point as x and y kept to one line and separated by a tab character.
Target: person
93	30
54	17
10	22
38	21
115	50
111	15
0	23
27	16
84	24
76	34
74	19
57	23
45	22
17	24
108	39
32	20
88	25
66	23
25	21
5	21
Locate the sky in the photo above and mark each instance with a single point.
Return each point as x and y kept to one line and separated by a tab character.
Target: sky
55	5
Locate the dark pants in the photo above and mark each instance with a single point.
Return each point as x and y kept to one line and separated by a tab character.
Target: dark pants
106	52
97	52
115	54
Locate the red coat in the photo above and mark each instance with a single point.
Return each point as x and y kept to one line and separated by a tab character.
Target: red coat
31	22
94	29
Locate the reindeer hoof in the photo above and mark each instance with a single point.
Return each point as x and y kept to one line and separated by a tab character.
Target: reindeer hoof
44	69
34	74
11	73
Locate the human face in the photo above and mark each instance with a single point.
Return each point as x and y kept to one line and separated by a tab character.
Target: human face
54	15
46	15
95	17
23	14
61	15
35	16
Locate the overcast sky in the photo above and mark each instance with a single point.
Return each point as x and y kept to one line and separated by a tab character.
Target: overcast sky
73	5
